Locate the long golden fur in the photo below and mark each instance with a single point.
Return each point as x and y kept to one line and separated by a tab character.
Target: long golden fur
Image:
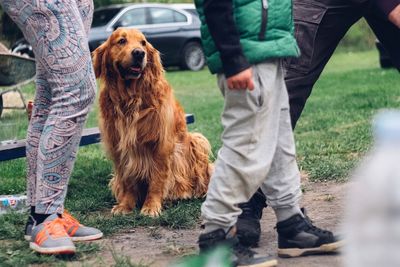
144	130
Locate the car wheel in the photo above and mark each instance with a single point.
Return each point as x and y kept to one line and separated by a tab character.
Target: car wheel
23	47
193	57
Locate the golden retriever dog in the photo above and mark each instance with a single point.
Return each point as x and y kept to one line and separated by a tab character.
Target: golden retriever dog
143	128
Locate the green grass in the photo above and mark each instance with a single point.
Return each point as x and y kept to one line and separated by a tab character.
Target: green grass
334	130
17	253
331	137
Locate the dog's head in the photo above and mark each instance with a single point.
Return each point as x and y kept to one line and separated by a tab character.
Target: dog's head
128	54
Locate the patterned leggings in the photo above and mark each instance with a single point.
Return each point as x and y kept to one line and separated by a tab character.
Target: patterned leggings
65	91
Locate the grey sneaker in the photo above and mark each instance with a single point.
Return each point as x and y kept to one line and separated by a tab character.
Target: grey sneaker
74	229
77	231
50	237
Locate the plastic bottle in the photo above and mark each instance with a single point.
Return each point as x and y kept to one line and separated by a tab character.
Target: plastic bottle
12	203
372	219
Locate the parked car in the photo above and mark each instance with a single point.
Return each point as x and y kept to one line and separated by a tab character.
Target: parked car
173	29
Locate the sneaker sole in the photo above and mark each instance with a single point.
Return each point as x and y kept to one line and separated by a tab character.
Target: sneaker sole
57	250
76	238
271	263
87	238
297	252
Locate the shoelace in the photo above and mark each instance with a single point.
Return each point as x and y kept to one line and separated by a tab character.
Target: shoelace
252	209
69	218
314	228
71	225
54	229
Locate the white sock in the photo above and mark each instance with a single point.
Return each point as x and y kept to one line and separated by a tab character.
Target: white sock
208	228
285	213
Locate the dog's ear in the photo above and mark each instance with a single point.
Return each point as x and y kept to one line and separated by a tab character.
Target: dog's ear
98	58
154	60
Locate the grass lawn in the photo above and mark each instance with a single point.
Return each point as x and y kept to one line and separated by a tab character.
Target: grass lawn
332	135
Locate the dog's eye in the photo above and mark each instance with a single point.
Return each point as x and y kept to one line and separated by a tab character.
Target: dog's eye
122	41
143	42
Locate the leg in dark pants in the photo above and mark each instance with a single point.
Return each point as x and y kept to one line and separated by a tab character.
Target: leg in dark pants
387	33
319	30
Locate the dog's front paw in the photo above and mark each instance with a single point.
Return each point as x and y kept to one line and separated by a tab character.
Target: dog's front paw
152	211
119	209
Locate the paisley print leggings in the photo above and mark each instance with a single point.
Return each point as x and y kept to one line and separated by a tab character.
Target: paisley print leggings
65	91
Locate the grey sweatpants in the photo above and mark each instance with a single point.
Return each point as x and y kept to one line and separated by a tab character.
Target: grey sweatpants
257	148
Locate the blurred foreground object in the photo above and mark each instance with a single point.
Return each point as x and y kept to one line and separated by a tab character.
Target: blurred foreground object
372	221
219	257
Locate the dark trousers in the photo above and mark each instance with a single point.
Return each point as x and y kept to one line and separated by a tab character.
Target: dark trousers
319	27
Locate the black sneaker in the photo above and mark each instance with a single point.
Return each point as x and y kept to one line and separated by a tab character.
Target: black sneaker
248	223
297	236
242	256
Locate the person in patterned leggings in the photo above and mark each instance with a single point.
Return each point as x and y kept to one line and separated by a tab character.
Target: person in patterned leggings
65	91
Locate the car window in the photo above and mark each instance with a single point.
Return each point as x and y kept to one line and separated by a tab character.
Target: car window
133	17
192	11
165	15
103	16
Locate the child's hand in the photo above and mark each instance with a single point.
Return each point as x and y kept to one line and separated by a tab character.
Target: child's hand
394	16
241	81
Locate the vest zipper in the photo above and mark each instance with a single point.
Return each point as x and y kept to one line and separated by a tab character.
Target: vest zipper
264	19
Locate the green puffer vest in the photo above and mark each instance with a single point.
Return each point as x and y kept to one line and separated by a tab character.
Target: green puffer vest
265	28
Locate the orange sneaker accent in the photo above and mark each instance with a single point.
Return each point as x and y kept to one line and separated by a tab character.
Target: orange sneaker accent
70	223
54	228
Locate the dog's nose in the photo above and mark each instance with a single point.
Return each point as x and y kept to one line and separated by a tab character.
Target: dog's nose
138	54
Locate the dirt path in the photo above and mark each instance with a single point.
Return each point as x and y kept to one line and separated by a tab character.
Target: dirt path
159	246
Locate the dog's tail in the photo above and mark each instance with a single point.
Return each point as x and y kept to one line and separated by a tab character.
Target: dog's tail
199	160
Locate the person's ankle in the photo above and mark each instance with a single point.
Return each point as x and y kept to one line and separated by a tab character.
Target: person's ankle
37	217
285	213
208	228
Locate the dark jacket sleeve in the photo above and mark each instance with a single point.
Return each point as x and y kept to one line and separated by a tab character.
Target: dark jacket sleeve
386	6
220	22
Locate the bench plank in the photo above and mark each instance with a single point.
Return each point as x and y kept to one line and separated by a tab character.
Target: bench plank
89	136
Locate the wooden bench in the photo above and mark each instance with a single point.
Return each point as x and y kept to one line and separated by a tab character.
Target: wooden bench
89	136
